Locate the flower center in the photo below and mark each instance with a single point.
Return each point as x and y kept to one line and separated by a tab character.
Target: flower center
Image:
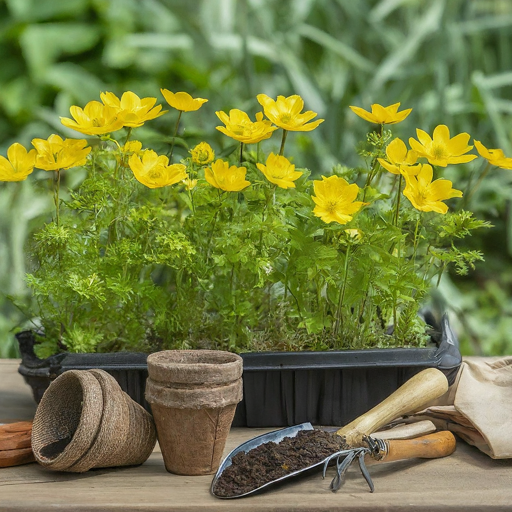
238	129
439	151
285	118
331	206
202	156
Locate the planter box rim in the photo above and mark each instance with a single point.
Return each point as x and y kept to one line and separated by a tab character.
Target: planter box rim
365	358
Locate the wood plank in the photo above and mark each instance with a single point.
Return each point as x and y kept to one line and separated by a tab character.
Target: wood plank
466	481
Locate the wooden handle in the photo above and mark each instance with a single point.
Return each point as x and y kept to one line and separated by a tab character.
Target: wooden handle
420	428
415	394
440	444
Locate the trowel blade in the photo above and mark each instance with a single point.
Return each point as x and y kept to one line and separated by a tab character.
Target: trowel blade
276	436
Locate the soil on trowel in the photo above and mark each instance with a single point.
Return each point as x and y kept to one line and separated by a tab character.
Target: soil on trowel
270	461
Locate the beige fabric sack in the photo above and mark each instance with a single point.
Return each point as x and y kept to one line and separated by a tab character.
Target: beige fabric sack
478	406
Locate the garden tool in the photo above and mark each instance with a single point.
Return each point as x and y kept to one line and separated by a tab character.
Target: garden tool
415	394
15	445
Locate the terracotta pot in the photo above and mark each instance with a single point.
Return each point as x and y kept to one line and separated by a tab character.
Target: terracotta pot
193	396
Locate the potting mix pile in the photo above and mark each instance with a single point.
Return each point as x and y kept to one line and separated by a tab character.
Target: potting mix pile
270	461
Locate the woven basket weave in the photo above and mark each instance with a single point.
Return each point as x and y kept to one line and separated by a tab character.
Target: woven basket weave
85	421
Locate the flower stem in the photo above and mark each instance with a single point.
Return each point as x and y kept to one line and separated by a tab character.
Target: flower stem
478	183
175	134
398	195
128	134
56	196
415	247
241	153
283	140
342	294
214	223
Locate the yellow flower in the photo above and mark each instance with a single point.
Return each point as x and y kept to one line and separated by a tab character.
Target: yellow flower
382	115
202	154
131	109
154	171
94	119
182	100
240	127
335	199
285	113
354	235
441	149
494	156
427	195
280	171
18	164
189	183
221	175
56	154
133	146
399	159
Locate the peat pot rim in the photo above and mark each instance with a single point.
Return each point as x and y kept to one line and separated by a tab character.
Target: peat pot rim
194	367
74	391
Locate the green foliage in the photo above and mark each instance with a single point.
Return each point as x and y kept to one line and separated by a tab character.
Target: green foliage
129	267
452	57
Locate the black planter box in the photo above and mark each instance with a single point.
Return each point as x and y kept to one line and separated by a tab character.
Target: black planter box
280	388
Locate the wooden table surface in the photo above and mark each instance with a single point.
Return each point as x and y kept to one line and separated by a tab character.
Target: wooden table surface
467	480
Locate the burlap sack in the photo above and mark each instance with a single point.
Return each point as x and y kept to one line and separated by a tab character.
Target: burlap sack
85	421
193	396
478	406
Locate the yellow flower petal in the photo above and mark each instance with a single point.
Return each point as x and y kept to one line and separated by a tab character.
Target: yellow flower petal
442	150
363	114
240	127
94	119
494	156
230	179
202	154
427	195
382	115
55	153
18	164
334	199
131	109
285	113
394	169
280	171
154	171
182	101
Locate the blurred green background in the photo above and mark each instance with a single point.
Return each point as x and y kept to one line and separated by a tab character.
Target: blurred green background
451	60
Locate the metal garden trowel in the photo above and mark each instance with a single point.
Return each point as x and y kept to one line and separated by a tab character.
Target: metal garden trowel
414	395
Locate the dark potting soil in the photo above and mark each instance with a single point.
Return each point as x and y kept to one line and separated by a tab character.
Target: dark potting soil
50	451
270	461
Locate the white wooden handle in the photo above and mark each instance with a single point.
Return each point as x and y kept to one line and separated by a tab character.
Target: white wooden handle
414	395
409	431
